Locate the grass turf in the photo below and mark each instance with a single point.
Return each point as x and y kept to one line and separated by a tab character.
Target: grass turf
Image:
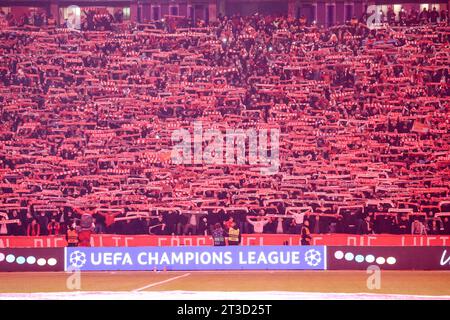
433	283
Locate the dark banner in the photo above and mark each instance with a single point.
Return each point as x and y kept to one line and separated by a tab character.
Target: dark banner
388	258
29	259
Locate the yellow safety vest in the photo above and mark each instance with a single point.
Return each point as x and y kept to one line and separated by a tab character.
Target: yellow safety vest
233	235
72	236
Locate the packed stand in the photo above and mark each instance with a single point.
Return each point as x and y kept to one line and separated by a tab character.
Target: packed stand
87	119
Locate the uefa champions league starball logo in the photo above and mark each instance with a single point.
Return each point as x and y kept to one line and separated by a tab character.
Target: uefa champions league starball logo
313	257
77	259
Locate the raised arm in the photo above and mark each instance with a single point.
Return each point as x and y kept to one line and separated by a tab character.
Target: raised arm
265	221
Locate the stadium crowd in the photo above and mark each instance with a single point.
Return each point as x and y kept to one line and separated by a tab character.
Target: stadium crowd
87	118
